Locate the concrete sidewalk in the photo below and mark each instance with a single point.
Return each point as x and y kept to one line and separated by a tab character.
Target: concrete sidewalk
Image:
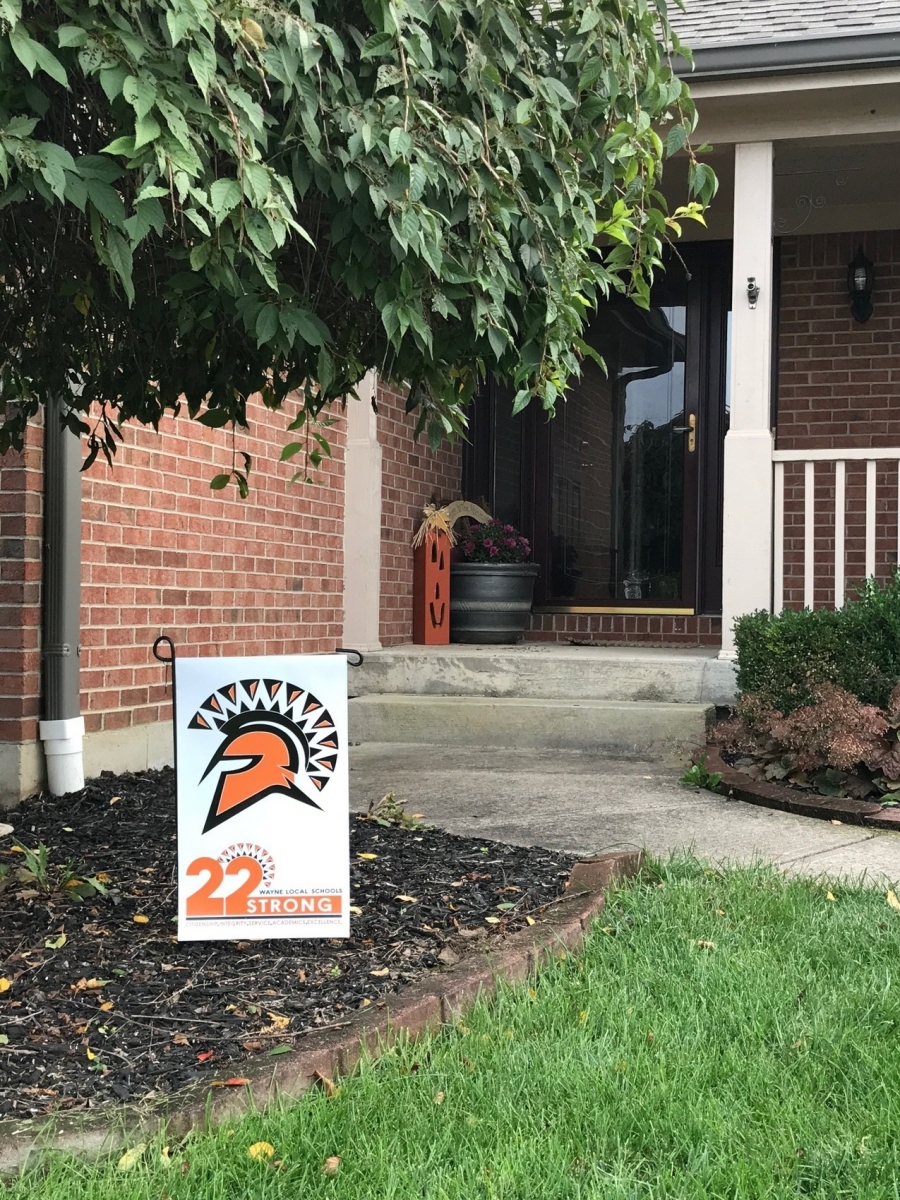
584	803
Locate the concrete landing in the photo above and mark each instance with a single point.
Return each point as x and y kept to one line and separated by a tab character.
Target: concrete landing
507	723
549	671
585	803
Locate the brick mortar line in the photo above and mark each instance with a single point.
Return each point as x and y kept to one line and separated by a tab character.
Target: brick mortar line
432	1002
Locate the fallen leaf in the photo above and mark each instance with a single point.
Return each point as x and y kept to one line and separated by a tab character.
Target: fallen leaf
836	822
5	985
4	1039
407	899
331	1166
180	1039
140	919
529	920
380	972
185	1167
278	1021
492	920
301	975
891	899
90	1054
55	943
132	1157
439	1098
796	1045
235	1081
720	912
327	1084
107	1006
582	1016
115	799
278	1050
206	1055
707	945
251	1047
365	1002
102	876
650	1036
165	1156
367	857
357	912
261	1150
829	896
88	985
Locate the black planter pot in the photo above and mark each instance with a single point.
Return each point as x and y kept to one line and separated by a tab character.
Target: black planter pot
490	602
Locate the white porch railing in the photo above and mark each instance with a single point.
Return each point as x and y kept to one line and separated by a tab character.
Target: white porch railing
839	458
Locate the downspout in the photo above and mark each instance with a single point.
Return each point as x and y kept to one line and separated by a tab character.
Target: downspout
62	730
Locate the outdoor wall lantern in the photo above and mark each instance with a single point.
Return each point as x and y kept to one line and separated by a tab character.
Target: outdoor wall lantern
860	284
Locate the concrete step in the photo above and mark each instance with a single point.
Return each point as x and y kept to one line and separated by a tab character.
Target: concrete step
602	726
542	671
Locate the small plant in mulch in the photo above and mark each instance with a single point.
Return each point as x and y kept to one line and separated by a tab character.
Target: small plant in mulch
39	876
698	775
835	745
390	811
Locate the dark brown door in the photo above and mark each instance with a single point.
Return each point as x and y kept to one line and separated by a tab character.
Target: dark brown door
621	491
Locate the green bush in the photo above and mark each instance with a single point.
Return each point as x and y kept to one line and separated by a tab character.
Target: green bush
782	658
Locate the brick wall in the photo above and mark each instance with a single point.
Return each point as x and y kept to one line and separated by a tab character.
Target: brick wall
21	493
164	554
412	476
614	628
838	387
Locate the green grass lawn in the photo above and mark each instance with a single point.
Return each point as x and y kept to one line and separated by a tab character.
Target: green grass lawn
722	1035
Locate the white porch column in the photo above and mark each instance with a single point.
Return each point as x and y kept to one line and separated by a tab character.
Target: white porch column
747	519
362	522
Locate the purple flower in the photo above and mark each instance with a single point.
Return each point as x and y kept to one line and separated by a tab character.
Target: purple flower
493	551
488	543
509	529
469	547
511	542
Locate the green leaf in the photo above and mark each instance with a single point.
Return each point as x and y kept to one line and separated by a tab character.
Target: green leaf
140	94
71	35
378	44
218	482
146	130
224	195
121	258
399	142
267	324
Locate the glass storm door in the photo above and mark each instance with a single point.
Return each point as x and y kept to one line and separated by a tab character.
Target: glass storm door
621	490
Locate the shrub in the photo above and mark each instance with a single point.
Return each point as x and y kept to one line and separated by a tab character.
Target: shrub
495	543
784	659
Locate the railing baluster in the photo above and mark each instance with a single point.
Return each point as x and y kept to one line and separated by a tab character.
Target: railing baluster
778	549
840	516
809	535
870	518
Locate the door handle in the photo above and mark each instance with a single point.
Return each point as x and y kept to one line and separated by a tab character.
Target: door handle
691	430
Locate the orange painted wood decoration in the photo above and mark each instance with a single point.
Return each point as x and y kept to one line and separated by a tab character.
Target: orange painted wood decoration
431	590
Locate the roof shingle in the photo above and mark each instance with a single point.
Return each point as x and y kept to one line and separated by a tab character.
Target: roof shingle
709	23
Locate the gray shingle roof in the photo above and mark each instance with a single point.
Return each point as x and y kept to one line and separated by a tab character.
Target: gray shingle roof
708	23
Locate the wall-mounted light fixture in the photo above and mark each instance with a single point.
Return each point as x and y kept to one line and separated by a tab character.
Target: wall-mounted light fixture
860	284
752	291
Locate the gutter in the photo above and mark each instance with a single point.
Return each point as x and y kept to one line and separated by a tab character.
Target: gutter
791	56
62	730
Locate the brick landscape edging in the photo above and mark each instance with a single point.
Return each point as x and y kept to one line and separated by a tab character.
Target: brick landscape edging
806	804
439	998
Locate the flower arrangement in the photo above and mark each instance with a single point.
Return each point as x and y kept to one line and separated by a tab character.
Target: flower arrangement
491	542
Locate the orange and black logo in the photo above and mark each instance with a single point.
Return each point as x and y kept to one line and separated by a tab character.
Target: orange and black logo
276	739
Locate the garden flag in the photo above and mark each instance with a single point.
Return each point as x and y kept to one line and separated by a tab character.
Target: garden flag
263	805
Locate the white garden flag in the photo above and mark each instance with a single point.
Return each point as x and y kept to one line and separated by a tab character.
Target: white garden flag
263	807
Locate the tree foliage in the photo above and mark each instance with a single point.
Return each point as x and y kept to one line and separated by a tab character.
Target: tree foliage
208	199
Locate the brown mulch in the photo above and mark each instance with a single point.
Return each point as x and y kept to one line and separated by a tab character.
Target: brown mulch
121	1010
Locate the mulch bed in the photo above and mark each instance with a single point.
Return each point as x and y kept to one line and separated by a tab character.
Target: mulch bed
121	1011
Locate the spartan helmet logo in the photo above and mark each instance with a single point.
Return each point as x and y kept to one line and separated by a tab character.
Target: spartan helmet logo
277	739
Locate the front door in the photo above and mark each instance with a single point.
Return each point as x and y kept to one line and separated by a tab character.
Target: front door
621	490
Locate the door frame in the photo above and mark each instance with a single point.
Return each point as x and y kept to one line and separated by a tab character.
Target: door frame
709	300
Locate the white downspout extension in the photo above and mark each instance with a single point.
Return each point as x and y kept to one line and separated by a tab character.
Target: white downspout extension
64	754
62	730
362	522
747	499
